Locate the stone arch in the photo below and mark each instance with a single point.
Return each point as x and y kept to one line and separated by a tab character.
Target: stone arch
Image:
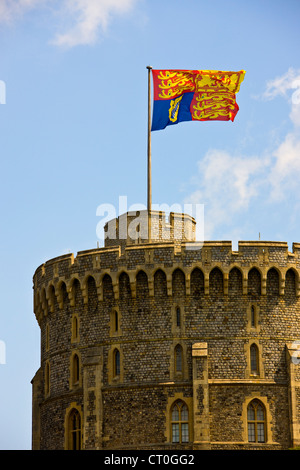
75	369
178	359
197	283
116	362
75	292
216	286
91	291
178	283
142	289
51	297
235	282
254	282
44	302
273	279
73	427
61	293
267	426
124	286
160	283
179	420
291	282
107	286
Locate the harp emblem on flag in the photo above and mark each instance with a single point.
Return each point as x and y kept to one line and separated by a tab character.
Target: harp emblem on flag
174	109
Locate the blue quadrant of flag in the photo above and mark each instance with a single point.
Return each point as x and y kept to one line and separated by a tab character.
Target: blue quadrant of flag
169	112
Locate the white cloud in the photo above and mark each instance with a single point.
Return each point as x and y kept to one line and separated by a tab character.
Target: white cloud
10	10
86	19
226	184
295	108
279	86
285	173
287	86
89	18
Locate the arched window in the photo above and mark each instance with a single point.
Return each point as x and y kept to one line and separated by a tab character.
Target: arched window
178	316
256	416
254	362
253	317
75	328
179	422
116	321
116	365
178	358
75	370
74	428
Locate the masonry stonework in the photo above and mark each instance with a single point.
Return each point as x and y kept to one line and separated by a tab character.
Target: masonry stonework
163	342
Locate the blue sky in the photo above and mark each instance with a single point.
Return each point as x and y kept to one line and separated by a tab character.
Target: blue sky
73	126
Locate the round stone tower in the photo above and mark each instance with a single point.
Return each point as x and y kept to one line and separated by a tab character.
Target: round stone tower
163	342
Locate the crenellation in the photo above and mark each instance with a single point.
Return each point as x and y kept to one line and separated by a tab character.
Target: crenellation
160	258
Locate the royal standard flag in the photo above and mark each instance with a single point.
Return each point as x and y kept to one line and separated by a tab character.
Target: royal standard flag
194	95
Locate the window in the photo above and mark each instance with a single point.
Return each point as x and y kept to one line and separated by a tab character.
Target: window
179	422
253	314
178	316
75	370
74	430
254	364
178	358
116	320
253	317
178	321
256	417
115	323
116	362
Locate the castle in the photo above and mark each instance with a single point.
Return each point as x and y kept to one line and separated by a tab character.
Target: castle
162	342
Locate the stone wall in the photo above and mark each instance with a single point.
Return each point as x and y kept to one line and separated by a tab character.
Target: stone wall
217	291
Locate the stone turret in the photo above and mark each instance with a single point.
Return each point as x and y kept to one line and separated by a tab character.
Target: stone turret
133	228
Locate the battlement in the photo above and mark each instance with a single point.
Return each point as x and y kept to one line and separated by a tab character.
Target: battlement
262	257
259	253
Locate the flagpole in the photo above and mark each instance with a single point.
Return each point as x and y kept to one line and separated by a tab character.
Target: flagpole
149	182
